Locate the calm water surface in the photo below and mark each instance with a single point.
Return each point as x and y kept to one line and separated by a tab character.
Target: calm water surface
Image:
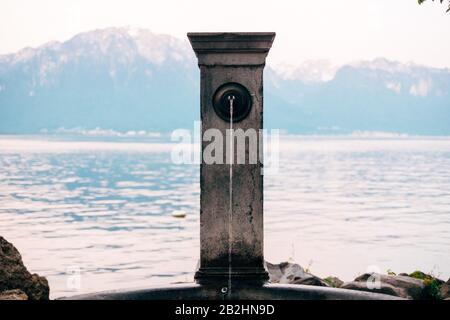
338	205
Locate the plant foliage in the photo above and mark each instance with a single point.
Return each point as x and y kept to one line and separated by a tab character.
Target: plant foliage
422	1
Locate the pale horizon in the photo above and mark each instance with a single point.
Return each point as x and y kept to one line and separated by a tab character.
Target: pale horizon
306	31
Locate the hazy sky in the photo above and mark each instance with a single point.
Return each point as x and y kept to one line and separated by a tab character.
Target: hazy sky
339	31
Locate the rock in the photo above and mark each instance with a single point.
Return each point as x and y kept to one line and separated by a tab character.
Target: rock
445	291
432	289
311	280
14	275
285	272
334	282
433	285
362	286
400	286
418	275
423	276
416	286
292	273
40	287
274	270
13	295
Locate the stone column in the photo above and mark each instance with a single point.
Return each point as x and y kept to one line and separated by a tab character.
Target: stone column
231	58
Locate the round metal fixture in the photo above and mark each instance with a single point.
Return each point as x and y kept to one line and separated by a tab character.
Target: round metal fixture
236	94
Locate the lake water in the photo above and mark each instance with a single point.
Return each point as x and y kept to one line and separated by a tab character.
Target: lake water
96	215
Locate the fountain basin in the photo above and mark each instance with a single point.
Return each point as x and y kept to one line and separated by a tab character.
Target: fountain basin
240	292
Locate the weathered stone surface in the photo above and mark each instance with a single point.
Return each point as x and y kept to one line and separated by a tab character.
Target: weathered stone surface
311	280
292	273
403	286
334	282
426	277
400	286
285	272
445	291
384	288
274	271
433	285
418	275
14	275
13	295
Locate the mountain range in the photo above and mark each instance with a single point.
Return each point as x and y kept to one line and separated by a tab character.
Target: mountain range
126	79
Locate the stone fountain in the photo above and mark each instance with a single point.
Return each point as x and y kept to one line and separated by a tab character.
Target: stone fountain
231	211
